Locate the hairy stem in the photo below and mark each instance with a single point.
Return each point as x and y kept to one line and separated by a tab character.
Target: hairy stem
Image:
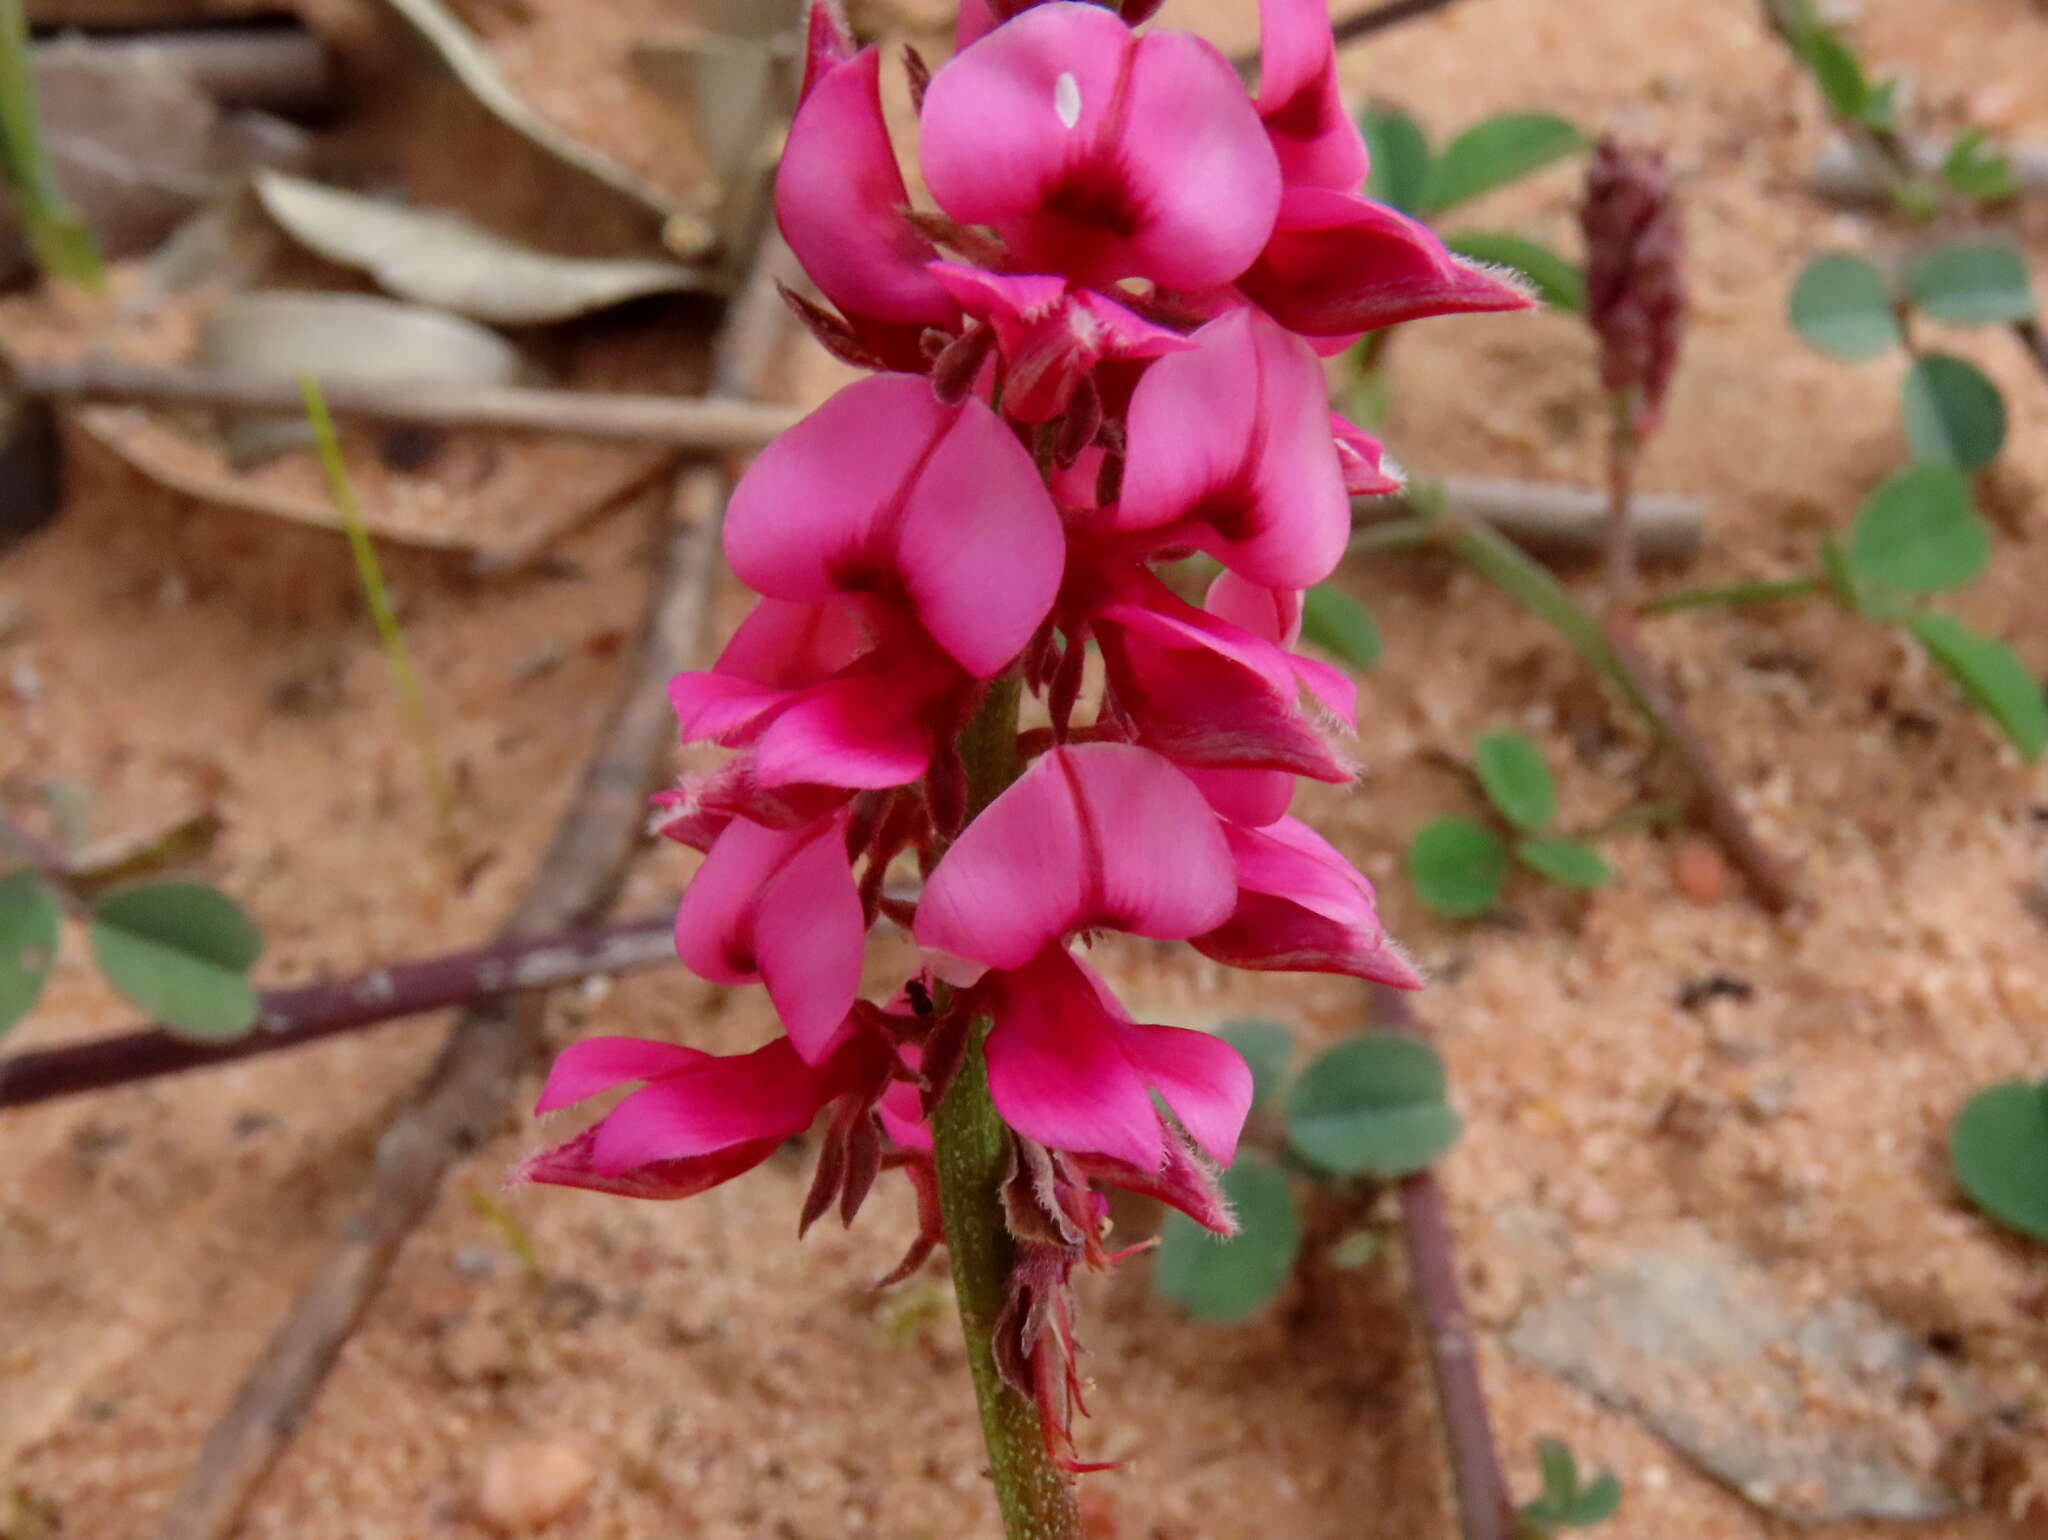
971	1150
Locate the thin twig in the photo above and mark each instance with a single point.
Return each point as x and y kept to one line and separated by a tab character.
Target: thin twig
50	863
277	69
1485	1507
707	425
1624	447
1552	519
310	1013
464	1097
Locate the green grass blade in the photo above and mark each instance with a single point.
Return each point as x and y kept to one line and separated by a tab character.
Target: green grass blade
63	246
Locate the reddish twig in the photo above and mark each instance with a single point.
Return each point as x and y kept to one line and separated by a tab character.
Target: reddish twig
292	1018
1486	1510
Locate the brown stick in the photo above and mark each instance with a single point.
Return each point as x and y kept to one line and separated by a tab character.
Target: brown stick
292	1018
1764	874
1485	1508
275	69
1553	519
730	425
464	1097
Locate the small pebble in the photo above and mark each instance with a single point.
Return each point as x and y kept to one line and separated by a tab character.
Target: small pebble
529	1483
1698	871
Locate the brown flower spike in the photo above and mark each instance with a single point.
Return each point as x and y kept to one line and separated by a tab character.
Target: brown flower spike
1635	276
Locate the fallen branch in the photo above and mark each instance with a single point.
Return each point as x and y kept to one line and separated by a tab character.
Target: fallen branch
292	1018
1553	519
1485	1507
464	1097
275	69
730	425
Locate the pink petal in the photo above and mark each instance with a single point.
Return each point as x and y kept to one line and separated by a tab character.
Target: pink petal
1182	1181
1253	798
720	707
902	1115
1100	155
977	18
1300	101
839	197
1273	614
696	811
1202	1078
1057	1071
884	490
809	937
1335	690
1366	471
1232	441
793	645
1339	263
1303	908
715	921
767	1094
828	43
571	1164
1102	835
597	1064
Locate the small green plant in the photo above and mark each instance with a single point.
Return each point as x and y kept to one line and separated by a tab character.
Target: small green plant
178	950
1565	1504
1370	1109
1998	1149
1459	865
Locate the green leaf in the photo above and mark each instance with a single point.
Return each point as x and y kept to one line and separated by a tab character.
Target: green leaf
1560	1468
1998	1148
28	943
1340	624
1991	674
1842	305
1972	283
1917	531
1267	1046
1374	1105
181	951
1978	167
1516	780
1880	105
1954	415
1596	1504
1400	158
1837	71
1557	279
1457	866
1571	862
1496	152
1228	1280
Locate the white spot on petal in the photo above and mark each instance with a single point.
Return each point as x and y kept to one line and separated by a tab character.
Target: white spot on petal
1066	99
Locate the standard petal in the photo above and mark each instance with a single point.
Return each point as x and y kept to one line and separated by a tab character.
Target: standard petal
1300	101
1056	1069
883	490
840	200
598	1064
1231	444
1099	836
1100	155
1203	1079
1339	264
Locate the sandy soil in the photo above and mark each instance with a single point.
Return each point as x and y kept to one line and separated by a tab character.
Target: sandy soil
725	1381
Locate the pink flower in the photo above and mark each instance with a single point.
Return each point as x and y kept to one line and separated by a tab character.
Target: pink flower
844	692
883	490
1230	451
1051	336
1301	907
698	1119
1099	155
842	205
779	907
1367	472
1340	264
1300	101
1092	837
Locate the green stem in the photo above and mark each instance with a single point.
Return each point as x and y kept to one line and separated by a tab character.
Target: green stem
1758	592
412	700
970	1148
63	246
1393	535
